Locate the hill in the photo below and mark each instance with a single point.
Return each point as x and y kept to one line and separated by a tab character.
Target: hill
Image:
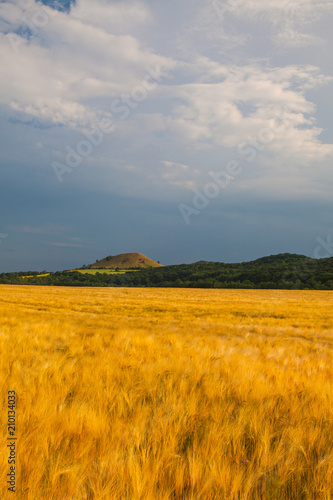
125	261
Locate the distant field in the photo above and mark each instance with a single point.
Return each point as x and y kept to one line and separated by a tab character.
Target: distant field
36	276
104	271
156	394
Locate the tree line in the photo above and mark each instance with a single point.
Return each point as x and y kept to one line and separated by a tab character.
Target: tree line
283	271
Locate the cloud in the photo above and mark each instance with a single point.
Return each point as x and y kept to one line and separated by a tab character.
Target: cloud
51	229
68	72
289	37
245	100
57	70
66	245
287	18
112	17
71	70
179	175
170	164
276	10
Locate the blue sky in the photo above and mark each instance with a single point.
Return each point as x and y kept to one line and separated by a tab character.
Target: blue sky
183	130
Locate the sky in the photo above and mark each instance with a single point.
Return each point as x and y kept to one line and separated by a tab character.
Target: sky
185	130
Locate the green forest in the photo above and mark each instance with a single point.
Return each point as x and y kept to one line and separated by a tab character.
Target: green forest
283	271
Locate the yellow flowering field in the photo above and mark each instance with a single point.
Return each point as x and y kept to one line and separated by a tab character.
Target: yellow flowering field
128	393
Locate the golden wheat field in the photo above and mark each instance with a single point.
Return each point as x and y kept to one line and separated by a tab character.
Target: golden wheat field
127	393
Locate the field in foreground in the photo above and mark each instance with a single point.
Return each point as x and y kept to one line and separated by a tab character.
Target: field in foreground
168	393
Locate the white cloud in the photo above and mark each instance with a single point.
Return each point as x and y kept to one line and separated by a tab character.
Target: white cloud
178	174
58	74
246	100
66	245
69	71
289	37
275	10
287	18
171	164
112	17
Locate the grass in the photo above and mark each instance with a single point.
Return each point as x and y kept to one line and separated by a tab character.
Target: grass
168	393
104	271
36	276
